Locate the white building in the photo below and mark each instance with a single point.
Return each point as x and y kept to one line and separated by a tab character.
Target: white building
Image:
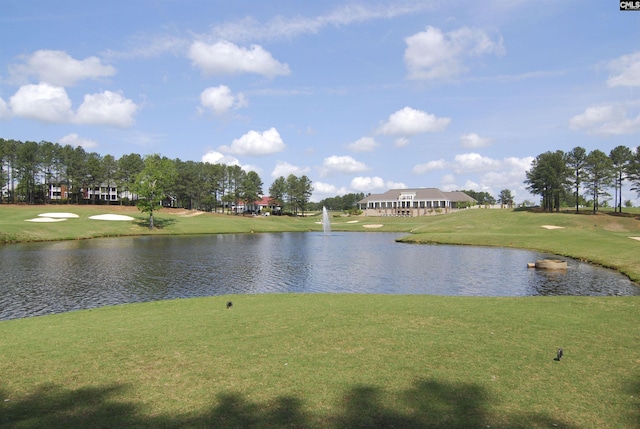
414	202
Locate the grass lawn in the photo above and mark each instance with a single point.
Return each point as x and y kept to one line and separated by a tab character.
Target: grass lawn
334	361
327	361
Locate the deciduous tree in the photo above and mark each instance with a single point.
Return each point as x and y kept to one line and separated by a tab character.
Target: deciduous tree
152	184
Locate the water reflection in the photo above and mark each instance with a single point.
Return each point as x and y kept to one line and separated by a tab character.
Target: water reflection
46	278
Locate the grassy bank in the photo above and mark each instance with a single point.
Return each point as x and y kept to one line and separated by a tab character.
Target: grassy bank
15	228
327	361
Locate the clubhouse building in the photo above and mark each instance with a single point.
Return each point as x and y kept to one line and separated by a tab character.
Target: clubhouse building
414	202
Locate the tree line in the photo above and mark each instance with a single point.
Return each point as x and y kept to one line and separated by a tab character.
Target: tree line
559	177
29	170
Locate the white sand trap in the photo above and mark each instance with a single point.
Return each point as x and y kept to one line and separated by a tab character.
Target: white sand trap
353	221
110	217
59	215
552	227
45	219
374	225
635	238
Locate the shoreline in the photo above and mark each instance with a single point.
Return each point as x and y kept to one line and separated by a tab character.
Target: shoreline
606	241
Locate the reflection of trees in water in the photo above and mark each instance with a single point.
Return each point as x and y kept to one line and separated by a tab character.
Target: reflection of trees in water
580	279
427	404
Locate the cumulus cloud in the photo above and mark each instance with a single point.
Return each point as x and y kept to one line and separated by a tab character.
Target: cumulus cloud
227	58
364	144
508	172
75	140
427	167
106	108
434	55
5	112
323	190
42	102
284	169
341	165
374	184
625	71
409	121
473	141
49	103
606	120
58	68
368	184
256	143
220	100
473	163
486	174
213	157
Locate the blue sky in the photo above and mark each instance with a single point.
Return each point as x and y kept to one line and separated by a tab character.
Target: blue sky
361	96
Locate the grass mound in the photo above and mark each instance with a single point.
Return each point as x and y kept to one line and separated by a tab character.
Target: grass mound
327	361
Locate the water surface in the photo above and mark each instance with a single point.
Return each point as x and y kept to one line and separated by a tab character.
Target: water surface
46	278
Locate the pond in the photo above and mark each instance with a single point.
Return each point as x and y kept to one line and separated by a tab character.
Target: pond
55	277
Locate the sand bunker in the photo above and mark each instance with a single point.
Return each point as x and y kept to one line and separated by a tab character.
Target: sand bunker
552	227
59	215
635	238
45	219
374	225
110	217
353	221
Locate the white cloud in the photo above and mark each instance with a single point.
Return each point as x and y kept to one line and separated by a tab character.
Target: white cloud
373	184
342	165
280	27
364	144
473	141
490	175
368	184
220	99
606	120
440	164
227	58
409	121
149	46
106	108
284	169
42	102
401	142
213	157
325	188
48	103
434	55
473	163
625	71
74	140
256	143
395	185
58	68
5	112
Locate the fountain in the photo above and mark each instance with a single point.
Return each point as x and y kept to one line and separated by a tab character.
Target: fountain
326	225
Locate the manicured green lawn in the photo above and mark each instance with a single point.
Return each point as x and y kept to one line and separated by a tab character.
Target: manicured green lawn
327	361
15	228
